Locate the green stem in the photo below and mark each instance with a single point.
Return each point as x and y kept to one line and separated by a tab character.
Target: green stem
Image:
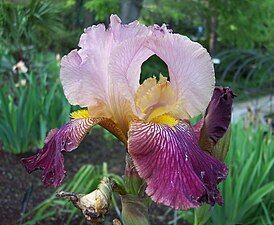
134	210
135	203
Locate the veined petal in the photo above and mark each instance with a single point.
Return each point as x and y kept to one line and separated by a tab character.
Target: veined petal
129	53
50	159
125	68
217	118
190	68
105	71
124	32
197	128
178	173
125	64
84	72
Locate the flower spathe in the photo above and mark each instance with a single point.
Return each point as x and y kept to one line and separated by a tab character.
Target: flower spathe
152	119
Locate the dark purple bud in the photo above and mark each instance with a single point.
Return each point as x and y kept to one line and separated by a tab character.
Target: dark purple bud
216	120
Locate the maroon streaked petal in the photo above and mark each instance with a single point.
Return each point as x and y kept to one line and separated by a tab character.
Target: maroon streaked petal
197	128
217	118
178	173
50	159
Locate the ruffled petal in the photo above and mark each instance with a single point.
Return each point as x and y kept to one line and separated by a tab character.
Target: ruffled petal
50	159
129	53
109	60
178	173
84	72
190	68
217	118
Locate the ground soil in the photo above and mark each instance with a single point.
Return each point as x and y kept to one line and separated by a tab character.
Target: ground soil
15	182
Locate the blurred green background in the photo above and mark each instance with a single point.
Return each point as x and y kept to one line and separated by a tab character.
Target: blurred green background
239	34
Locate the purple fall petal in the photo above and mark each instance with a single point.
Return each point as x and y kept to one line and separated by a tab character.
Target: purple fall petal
178	173
217	118
197	128
50	159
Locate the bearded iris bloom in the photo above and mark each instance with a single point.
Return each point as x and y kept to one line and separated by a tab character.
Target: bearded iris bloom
152	118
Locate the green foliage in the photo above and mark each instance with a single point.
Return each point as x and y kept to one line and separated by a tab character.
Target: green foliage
6	63
154	66
247	71
29	109
85	181
102	8
246	23
202	214
240	24
250	181
169	11
30	24
182	16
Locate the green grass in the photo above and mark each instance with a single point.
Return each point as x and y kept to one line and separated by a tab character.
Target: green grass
28	112
248	188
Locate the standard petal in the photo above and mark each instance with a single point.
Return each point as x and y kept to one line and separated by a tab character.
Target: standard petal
50	159
129	53
125	68
106	70
217	118
122	32
84	72
190	68
178	173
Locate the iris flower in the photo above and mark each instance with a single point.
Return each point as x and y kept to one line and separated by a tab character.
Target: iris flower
153	118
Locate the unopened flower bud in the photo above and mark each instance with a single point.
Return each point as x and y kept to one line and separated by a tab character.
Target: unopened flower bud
94	205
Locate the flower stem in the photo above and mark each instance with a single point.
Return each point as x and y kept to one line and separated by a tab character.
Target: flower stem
135	203
134	210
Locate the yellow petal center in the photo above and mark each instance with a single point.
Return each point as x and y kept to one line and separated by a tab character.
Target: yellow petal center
165	119
157	101
80	114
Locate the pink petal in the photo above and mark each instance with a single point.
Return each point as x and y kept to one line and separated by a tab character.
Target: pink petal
109	60
125	67
178	173
128	55
50	159
84	72
190	68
